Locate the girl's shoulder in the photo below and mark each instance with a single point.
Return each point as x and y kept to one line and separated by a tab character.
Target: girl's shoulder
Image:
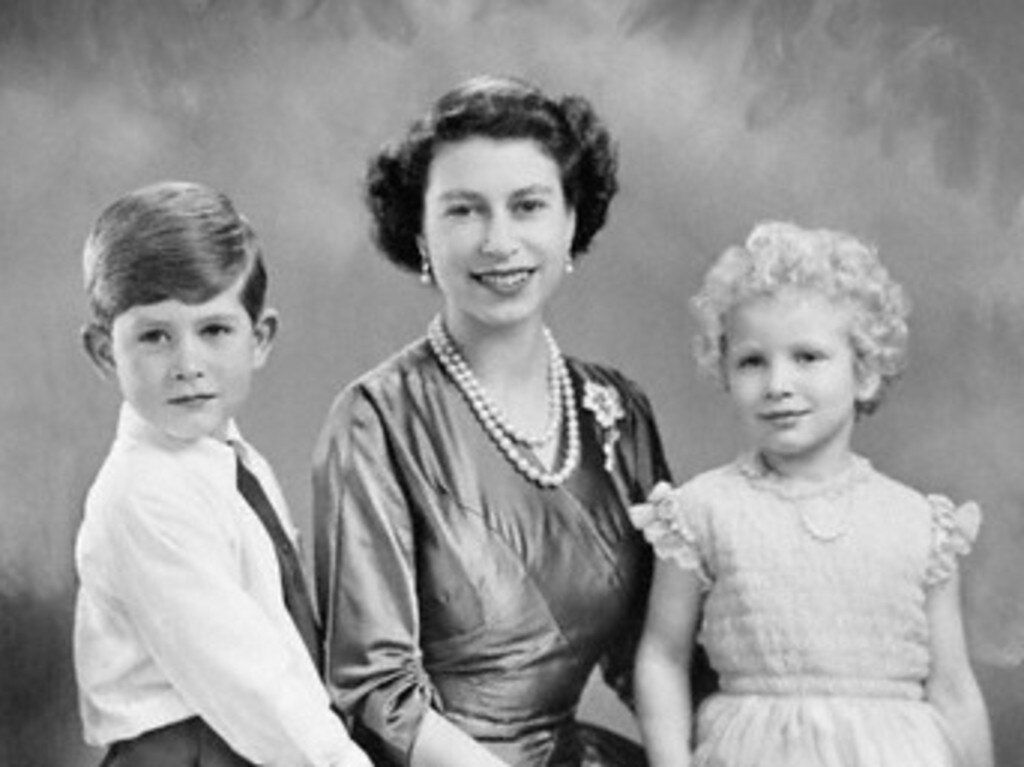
937	506
710	487
953	526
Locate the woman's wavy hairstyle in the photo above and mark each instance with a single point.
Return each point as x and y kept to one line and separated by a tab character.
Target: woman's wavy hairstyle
779	256
498	108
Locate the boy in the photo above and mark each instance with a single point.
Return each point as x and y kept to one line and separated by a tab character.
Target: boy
193	631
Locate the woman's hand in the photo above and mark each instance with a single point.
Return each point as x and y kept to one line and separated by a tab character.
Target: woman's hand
441	744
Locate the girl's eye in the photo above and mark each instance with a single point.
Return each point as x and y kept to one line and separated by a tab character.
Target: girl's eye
808	356
749	361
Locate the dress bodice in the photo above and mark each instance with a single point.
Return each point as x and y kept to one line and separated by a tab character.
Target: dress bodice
815	589
449	580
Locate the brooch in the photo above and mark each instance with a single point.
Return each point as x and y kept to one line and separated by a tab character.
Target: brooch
603	401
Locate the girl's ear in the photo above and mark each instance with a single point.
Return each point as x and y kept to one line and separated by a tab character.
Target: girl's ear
265	330
99	349
869	381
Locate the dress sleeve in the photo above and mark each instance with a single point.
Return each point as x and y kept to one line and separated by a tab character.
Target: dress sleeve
676	529
366	577
640	465
954	530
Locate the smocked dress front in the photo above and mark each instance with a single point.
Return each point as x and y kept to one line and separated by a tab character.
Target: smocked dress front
815	614
451	582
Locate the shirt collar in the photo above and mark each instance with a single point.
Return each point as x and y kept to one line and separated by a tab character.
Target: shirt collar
132	426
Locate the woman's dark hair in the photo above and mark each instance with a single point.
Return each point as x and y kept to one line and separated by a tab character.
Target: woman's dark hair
498	108
170	240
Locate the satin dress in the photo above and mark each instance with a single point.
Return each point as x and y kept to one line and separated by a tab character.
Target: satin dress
449	581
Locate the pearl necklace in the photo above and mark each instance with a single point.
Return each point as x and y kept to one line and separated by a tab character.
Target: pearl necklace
561	398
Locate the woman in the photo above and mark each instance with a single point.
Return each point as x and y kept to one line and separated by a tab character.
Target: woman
474	556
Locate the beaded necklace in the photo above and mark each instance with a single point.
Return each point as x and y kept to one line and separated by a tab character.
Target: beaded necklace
510	440
823	509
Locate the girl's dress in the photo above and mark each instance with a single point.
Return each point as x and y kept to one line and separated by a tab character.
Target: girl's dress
815	614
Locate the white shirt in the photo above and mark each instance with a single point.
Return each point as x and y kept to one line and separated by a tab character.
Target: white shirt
180	611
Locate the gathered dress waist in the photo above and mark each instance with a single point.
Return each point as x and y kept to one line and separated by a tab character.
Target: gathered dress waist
811	685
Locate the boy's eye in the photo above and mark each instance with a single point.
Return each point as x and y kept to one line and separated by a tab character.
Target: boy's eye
217	329
152	337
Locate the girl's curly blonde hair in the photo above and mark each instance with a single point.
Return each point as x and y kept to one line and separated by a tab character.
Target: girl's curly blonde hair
779	255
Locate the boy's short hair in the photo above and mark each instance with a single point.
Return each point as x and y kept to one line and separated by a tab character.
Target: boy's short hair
170	240
779	255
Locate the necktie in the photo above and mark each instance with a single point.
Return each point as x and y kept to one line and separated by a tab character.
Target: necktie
293	584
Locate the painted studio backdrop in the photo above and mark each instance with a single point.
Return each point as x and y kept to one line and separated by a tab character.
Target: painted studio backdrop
900	120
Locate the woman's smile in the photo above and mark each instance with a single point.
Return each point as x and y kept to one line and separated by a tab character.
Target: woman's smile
505	281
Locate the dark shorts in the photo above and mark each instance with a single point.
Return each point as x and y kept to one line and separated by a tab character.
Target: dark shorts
604	748
190	743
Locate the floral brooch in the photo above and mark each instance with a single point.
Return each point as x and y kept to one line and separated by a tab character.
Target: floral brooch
604	402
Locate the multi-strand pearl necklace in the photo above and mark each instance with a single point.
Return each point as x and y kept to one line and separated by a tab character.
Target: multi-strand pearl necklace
509	439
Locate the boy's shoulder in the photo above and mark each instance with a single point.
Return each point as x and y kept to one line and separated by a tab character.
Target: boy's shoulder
140	473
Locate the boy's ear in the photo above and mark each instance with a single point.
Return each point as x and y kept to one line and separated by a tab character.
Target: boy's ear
99	348
265	330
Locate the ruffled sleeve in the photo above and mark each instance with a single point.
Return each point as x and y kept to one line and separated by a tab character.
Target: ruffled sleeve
954	530
675	526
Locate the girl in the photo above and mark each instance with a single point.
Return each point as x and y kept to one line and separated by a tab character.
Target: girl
829	591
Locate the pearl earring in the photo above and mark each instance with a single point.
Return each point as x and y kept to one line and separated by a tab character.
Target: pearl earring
569	266
426	272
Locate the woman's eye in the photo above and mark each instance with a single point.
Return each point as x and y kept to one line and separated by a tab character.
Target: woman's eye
460	210
749	361
530	205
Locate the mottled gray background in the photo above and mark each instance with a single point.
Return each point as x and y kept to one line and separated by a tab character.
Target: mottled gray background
900	120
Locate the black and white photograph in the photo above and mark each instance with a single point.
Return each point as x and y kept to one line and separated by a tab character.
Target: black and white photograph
523	383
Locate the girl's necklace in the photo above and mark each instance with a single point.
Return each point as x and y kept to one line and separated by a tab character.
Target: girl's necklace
824	510
832	522
509	439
